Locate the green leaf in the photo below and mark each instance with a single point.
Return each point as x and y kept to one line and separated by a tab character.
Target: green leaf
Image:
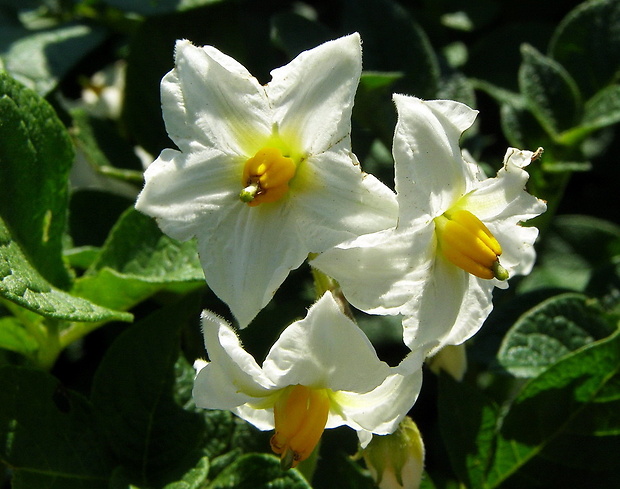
550	405
456	86
551	330
521	128
393	42
587	44
499	47
152	437
47	436
374	109
550	92
194	478
573	249
22	284
224	431
36	155
137	248
467	420
14	337
42	58
136	261
104	150
258	471
82	257
603	109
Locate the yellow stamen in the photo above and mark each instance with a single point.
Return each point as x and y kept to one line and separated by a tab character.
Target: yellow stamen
266	176
300	415
467	243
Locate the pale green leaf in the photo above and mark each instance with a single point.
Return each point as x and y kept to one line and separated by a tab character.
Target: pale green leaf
14	337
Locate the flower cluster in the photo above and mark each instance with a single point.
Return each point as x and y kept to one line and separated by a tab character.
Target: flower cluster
264	177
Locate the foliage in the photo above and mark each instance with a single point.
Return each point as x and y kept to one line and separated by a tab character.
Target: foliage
88	400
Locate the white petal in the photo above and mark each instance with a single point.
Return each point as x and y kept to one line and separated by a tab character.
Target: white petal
261	418
185	190
379	273
325	350
381	410
231	377
430	171
517	243
452	306
313	94
334	201
247	254
211	98
504	197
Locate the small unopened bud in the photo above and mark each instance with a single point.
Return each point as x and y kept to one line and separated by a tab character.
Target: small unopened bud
396	461
452	359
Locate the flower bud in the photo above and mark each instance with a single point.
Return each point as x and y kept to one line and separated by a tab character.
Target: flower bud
396	461
452	359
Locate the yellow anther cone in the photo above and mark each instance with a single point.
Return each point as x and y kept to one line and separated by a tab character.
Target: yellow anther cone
467	243
266	176
300	417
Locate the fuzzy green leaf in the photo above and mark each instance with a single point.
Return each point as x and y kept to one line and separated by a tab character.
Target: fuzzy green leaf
521	127
47	435
550	406
603	109
36	155
21	283
587	44
550	92
138	260
550	331
258	471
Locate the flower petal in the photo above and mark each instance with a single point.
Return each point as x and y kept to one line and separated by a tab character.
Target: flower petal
211	98
313	94
248	253
184	190
451	308
430	171
382	409
504	197
335	201
325	350
232	377
381	272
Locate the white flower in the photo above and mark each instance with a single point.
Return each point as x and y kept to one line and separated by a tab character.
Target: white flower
264	175
321	373
451	219
103	94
